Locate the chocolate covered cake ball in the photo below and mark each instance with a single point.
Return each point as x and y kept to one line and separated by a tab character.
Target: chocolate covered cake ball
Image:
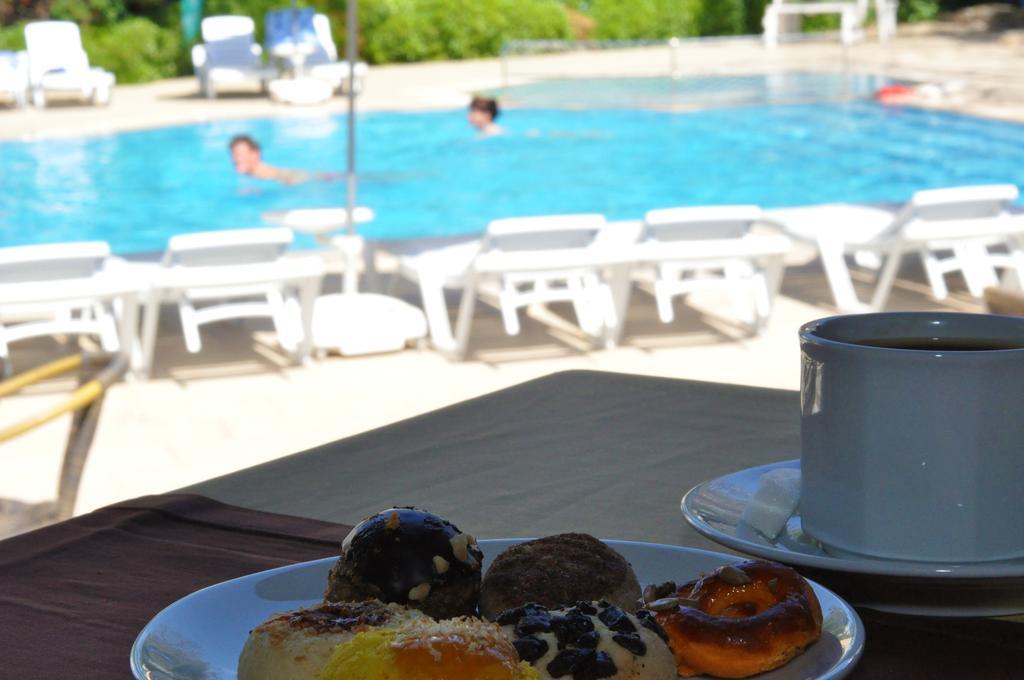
411	557
557	571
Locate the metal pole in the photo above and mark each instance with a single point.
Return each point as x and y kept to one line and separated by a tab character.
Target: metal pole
352	54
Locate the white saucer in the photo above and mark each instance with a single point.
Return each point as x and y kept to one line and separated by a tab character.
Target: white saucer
995	588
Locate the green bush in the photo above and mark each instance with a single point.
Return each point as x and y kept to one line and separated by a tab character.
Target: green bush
417	30
819	22
99	12
753	14
722	17
136	50
643	19
12	37
918	10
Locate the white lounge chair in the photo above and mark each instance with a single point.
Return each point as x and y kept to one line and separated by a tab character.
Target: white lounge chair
324	64
685	250
229	55
534	260
852	14
65	289
965	221
234	274
14	77
57	63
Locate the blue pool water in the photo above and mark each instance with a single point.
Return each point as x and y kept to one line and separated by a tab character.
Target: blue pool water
426	173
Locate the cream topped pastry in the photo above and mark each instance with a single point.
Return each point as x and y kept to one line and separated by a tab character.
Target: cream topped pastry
589	640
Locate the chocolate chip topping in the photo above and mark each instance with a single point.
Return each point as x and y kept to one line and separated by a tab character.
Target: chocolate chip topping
570	627
589	640
582	664
534	622
531	648
630	642
648	621
617	620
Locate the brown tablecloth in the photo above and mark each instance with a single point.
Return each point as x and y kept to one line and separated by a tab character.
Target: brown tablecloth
73	596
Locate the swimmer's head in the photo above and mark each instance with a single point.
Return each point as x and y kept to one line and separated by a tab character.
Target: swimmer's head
245	154
483	111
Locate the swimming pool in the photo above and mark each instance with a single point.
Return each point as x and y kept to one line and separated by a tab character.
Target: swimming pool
426	173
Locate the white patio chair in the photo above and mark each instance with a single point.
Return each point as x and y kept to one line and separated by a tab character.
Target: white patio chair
967	222
65	289
14	77
57	63
233	274
686	250
852	14
229	55
531	260
324	64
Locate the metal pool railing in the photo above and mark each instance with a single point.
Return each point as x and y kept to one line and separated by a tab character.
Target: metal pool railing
96	373
672	46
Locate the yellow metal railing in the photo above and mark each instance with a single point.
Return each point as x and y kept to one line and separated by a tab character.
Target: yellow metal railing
86	393
96	372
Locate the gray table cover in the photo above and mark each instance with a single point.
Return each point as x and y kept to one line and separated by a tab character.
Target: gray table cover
604	453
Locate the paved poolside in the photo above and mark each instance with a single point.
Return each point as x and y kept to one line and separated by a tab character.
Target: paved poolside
239	402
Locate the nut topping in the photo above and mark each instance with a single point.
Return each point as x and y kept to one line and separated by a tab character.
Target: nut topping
733	576
419	593
459	547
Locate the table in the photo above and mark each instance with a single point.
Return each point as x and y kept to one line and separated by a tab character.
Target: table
580	450
605	453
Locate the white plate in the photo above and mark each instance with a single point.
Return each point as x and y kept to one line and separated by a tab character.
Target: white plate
200	636
996	588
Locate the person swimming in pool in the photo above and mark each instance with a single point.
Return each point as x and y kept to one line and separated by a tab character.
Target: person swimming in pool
483	111
248	160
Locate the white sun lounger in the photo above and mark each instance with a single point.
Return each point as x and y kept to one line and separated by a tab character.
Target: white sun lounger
57	63
66	289
241	273
324	64
531	260
14	77
685	250
852	14
967	221
229	55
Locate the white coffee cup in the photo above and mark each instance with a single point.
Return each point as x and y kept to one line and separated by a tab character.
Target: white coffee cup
913	435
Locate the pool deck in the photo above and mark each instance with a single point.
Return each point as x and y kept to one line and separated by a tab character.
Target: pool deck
240	403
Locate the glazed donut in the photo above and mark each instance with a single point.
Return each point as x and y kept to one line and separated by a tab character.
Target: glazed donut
741	620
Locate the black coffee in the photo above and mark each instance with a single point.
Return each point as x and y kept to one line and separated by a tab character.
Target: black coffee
943	344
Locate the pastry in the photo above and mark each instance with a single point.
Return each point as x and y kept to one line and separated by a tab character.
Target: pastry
411	557
589	640
558	570
455	649
296	645
741	620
